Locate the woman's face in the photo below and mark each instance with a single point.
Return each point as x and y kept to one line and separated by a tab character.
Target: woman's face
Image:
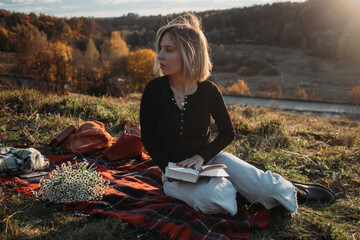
169	57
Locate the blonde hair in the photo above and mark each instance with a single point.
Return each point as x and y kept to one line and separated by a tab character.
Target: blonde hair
187	33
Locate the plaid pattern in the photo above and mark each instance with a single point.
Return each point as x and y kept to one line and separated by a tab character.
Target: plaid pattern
136	197
16	161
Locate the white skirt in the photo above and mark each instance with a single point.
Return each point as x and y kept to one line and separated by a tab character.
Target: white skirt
218	195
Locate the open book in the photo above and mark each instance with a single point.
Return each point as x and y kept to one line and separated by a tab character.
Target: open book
192	175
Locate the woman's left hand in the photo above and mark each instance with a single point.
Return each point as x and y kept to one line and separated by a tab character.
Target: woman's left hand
193	162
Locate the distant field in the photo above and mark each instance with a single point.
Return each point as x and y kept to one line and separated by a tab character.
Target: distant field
322	79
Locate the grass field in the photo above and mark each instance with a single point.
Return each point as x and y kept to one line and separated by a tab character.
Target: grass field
322	79
299	147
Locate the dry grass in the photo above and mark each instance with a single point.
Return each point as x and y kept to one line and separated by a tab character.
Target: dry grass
299	147
308	149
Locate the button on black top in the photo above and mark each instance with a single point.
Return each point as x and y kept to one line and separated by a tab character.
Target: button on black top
161	120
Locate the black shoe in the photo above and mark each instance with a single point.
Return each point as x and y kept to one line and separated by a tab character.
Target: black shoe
313	192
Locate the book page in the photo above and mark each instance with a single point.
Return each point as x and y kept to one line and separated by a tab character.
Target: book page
187	177
192	175
180	173
219	172
210	167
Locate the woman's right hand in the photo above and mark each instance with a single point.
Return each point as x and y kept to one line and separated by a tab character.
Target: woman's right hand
193	162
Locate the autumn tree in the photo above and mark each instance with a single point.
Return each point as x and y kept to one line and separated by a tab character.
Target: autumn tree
90	75
97	72
63	30
291	35
27	37
115	47
114	50
92	54
80	79
49	64
61	69
348	46
33	54
4	39
139	66
91	29
92	65
323	43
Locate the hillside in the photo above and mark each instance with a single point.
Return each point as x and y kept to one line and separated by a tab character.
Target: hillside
309	50
322	79
327	29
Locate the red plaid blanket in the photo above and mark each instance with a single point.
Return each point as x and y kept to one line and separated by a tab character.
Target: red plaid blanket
136	196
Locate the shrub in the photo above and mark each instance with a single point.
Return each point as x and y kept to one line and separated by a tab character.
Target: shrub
269	88
301	93
257	62
354	95
246	71
230	67
270	70
256	65
239	87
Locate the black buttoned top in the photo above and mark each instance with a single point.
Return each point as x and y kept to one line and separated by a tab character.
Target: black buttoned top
171	134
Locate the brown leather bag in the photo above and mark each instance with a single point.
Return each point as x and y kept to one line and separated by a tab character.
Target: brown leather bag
89	137
60	137
129	145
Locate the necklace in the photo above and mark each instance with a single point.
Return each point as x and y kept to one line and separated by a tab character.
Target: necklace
180	98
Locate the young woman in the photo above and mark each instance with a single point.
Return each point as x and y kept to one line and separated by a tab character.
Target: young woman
175	114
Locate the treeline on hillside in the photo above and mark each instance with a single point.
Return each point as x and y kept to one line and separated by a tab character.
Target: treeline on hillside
328	28
94	55
72	31
73	54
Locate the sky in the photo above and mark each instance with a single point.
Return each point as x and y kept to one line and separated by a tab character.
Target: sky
116	8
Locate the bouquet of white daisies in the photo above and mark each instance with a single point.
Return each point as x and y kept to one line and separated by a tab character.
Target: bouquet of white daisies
72	183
